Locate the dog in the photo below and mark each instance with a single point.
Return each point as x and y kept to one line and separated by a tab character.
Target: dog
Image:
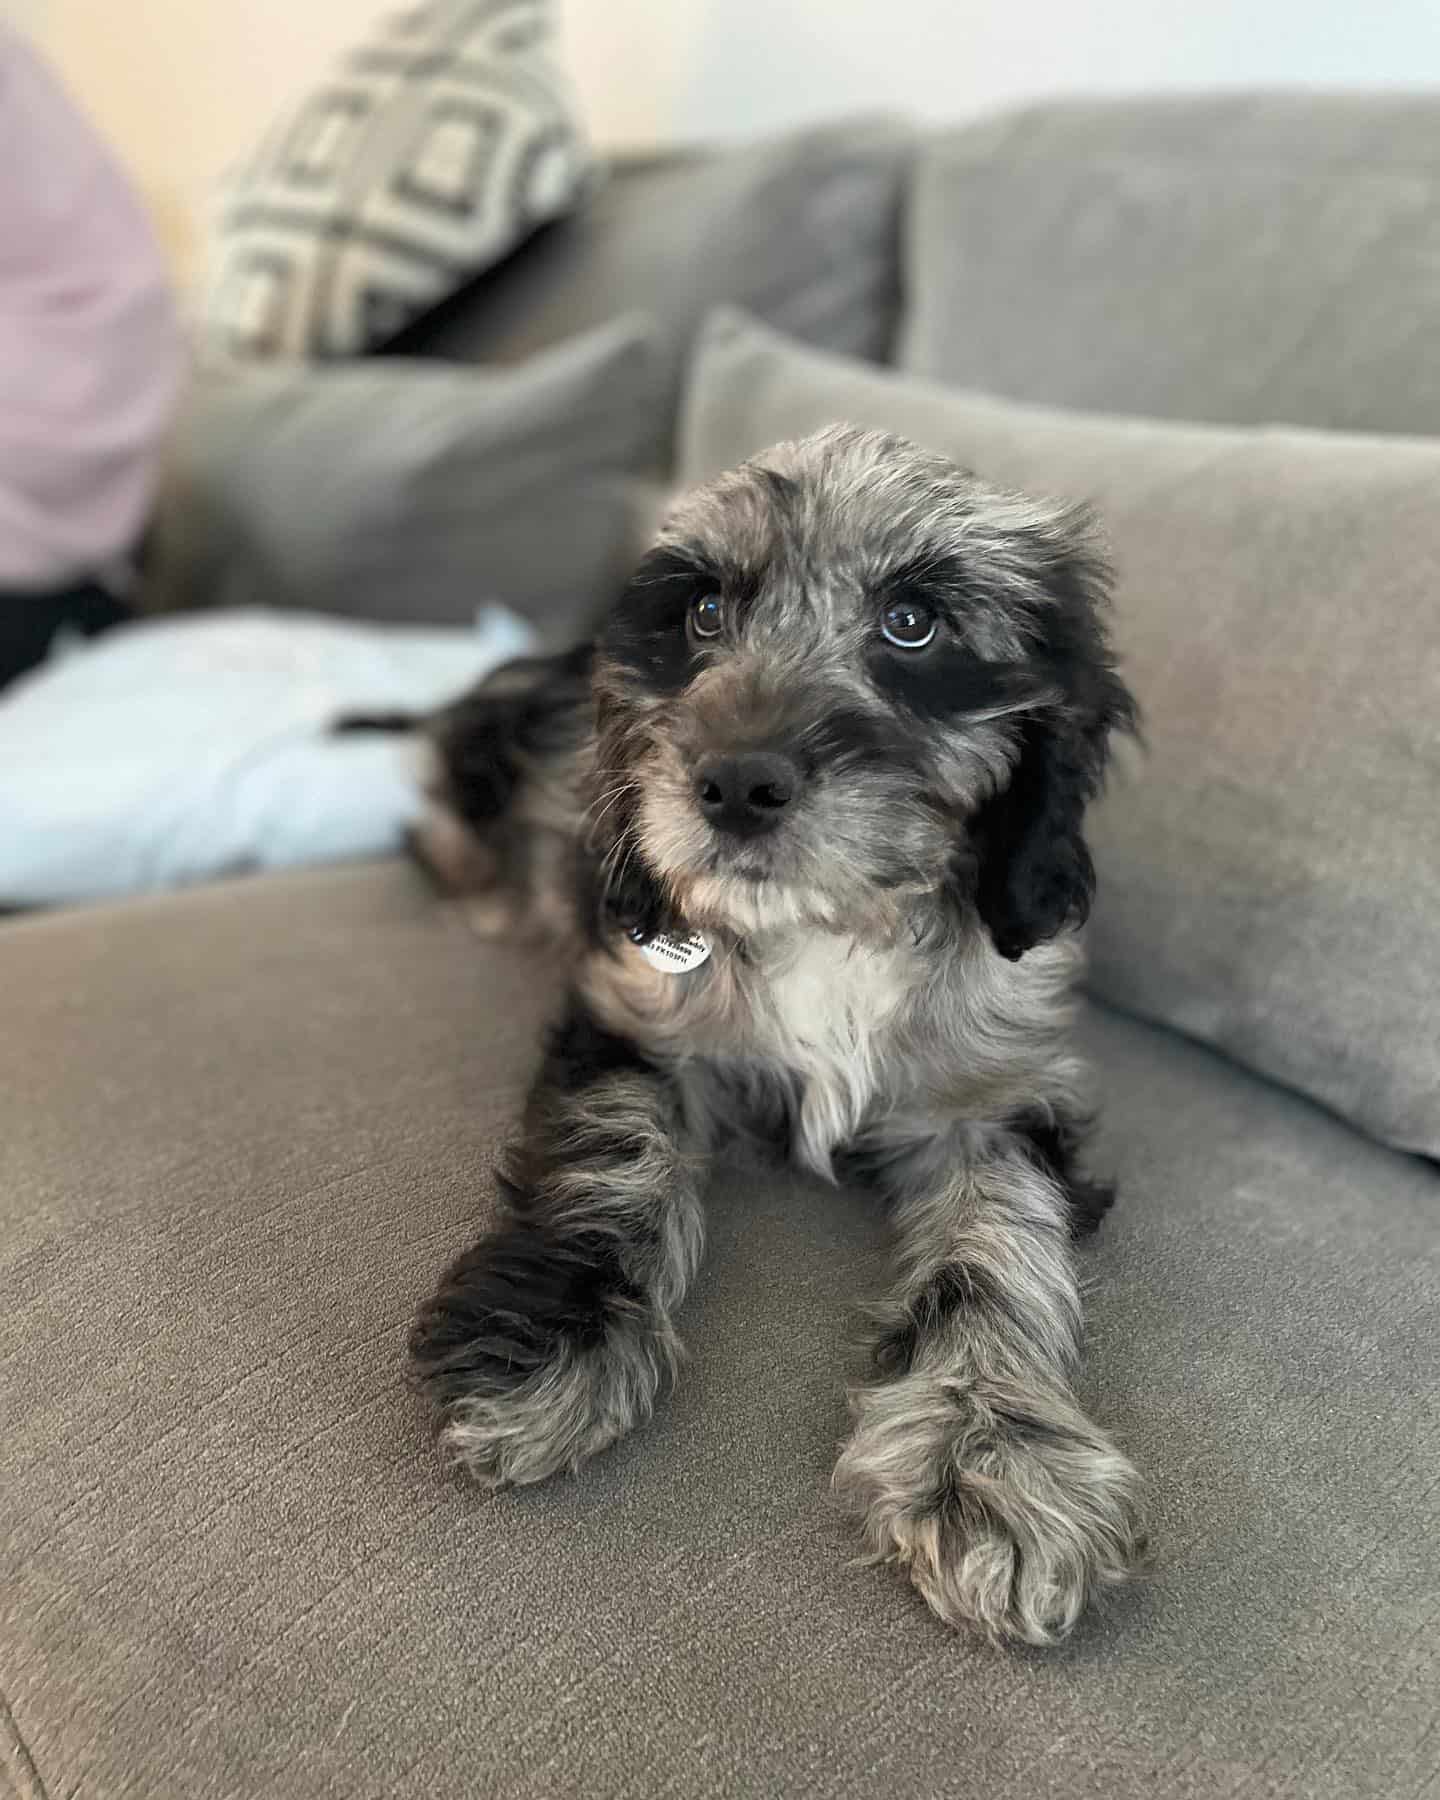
806	820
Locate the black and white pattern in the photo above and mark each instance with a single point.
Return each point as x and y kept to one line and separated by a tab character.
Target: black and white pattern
431	151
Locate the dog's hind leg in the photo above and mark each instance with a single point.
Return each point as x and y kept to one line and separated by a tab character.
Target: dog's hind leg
972	1463
553	1335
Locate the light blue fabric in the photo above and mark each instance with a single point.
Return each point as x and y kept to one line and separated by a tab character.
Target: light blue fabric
183	749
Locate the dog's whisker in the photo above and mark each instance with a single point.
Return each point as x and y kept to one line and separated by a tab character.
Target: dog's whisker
597	818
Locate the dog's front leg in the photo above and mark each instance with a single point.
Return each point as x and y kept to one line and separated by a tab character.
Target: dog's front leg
552	1336
972	1463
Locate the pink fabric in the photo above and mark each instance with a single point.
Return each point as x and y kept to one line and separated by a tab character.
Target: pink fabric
90	346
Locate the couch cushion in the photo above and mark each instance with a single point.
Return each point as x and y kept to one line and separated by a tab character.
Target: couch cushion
1268	874
801	230
1240	258
405	491
241	1131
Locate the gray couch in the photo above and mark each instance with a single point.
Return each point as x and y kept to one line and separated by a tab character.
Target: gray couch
241	1128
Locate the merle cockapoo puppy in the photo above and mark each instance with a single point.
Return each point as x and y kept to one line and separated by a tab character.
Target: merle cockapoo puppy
807	820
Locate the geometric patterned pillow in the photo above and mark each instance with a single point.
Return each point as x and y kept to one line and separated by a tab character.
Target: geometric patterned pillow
432	150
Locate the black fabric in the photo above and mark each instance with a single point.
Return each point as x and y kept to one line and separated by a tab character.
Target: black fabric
30	621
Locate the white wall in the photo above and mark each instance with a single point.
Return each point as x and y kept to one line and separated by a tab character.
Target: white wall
760	64
631	60
183	86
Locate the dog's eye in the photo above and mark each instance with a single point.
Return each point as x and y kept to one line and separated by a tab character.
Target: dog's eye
908	624
707	615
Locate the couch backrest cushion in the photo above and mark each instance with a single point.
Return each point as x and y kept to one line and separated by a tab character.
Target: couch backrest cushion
1242	259
412	491
802	231
1269	873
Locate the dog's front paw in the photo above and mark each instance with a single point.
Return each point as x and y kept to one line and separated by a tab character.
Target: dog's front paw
535	1366
1009	1511
508	1434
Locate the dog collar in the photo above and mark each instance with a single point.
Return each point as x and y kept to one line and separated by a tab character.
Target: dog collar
670	952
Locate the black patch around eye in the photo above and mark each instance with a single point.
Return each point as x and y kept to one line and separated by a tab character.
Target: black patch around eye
948	681
648	631
844	737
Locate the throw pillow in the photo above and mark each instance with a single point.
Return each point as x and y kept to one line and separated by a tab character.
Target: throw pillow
408	491
1268	875
435	147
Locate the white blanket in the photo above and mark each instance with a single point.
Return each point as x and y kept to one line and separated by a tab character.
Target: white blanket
190	747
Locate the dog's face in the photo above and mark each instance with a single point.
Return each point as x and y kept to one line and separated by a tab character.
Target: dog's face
847	674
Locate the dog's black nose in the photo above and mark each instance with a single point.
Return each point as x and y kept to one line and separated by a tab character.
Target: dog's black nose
746	794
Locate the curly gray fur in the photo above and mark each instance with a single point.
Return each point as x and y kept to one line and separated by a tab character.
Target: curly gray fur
891	905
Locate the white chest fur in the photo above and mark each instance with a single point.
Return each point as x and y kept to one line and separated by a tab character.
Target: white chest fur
834	1013
828	1008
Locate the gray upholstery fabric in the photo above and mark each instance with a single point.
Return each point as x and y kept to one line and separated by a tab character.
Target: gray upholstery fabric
401	490
239	1133
1240	258
1269	872
801	230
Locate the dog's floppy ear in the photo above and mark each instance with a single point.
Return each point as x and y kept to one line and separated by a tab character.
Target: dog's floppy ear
1031	867
621	889
640	652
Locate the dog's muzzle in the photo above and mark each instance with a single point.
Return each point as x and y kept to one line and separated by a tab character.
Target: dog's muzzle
749	794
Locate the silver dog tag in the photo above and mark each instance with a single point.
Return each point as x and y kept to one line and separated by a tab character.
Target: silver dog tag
674	955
